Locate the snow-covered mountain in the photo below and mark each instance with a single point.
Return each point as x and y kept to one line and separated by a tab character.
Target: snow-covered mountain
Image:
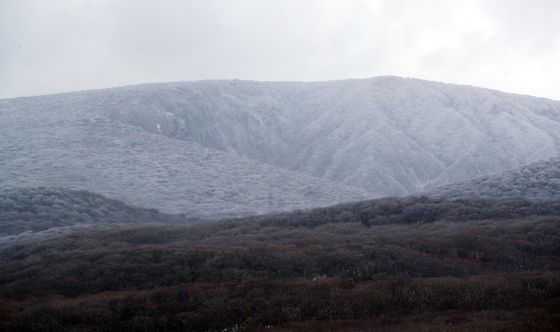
228	148
540	179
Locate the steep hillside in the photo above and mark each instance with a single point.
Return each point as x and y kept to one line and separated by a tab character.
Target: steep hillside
227	148
39	209
538	179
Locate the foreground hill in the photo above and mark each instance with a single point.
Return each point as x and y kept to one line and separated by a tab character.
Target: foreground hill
233	148
40	209
395	264
538	179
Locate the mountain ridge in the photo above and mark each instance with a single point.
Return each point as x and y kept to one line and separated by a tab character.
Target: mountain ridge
148	83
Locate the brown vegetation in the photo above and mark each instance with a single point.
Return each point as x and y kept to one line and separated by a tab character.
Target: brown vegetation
389	265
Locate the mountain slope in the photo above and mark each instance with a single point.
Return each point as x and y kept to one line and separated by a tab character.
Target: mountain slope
540	179
241	147
388	135
64	145
39	209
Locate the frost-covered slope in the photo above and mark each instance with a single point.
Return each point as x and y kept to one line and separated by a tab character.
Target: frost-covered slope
388	135
540	179
60	143
385	135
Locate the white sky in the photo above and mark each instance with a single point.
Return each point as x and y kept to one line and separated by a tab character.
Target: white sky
51	46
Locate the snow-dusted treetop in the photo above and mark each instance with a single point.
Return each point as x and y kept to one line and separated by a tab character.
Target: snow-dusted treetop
540	179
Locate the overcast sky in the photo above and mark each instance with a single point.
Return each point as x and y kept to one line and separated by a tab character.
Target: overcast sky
51	46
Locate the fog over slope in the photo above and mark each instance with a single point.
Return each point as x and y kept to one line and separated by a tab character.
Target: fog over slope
240	147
